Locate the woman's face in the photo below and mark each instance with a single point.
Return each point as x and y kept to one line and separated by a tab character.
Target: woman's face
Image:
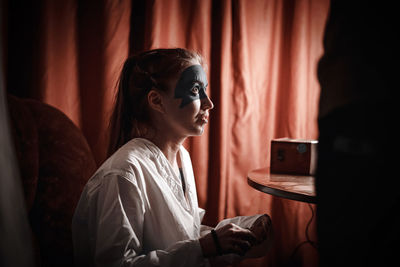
187	104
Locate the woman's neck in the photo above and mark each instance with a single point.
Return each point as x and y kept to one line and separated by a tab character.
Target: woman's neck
169	146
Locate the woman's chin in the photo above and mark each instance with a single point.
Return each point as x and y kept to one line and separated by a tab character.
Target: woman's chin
198	130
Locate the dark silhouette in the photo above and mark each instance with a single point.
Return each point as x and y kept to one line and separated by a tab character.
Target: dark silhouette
358	201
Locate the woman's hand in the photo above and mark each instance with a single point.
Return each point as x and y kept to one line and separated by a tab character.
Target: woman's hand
261	228
231	238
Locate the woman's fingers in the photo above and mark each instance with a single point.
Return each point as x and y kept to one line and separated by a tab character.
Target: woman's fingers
243	245
235	239
246	234
261	228
239	247
232	238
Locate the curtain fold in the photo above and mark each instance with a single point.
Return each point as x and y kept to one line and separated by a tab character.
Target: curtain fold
261	60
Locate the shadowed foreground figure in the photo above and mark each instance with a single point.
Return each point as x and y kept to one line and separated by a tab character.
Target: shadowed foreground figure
358	197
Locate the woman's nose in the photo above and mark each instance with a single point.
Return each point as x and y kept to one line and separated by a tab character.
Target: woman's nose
206	103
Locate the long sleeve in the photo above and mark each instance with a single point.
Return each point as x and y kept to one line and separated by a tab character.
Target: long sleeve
110	230
120	228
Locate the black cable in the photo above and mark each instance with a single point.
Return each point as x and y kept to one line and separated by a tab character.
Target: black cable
308	240
312	243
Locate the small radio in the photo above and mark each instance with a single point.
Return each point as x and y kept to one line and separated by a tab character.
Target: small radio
293	156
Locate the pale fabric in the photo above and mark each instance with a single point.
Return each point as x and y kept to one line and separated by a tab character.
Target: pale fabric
133	212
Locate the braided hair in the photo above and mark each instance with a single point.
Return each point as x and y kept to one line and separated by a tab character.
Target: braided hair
140	74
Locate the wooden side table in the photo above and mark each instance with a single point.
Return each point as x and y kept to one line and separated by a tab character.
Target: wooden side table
295	187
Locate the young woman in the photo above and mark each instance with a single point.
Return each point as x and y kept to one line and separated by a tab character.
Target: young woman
140	207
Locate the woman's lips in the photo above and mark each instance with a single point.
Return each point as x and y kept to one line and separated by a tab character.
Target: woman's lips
203	118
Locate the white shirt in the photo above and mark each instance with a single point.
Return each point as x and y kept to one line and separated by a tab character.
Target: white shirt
133	212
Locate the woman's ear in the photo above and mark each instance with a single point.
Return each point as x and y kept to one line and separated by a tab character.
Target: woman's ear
155	101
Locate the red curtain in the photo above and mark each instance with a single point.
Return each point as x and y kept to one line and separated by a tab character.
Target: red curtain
261	55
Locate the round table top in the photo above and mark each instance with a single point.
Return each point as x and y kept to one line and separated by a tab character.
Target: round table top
295	187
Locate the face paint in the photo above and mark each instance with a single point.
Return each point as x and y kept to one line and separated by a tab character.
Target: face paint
191	85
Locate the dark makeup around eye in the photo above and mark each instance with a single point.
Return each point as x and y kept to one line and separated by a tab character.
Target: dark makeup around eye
191	77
